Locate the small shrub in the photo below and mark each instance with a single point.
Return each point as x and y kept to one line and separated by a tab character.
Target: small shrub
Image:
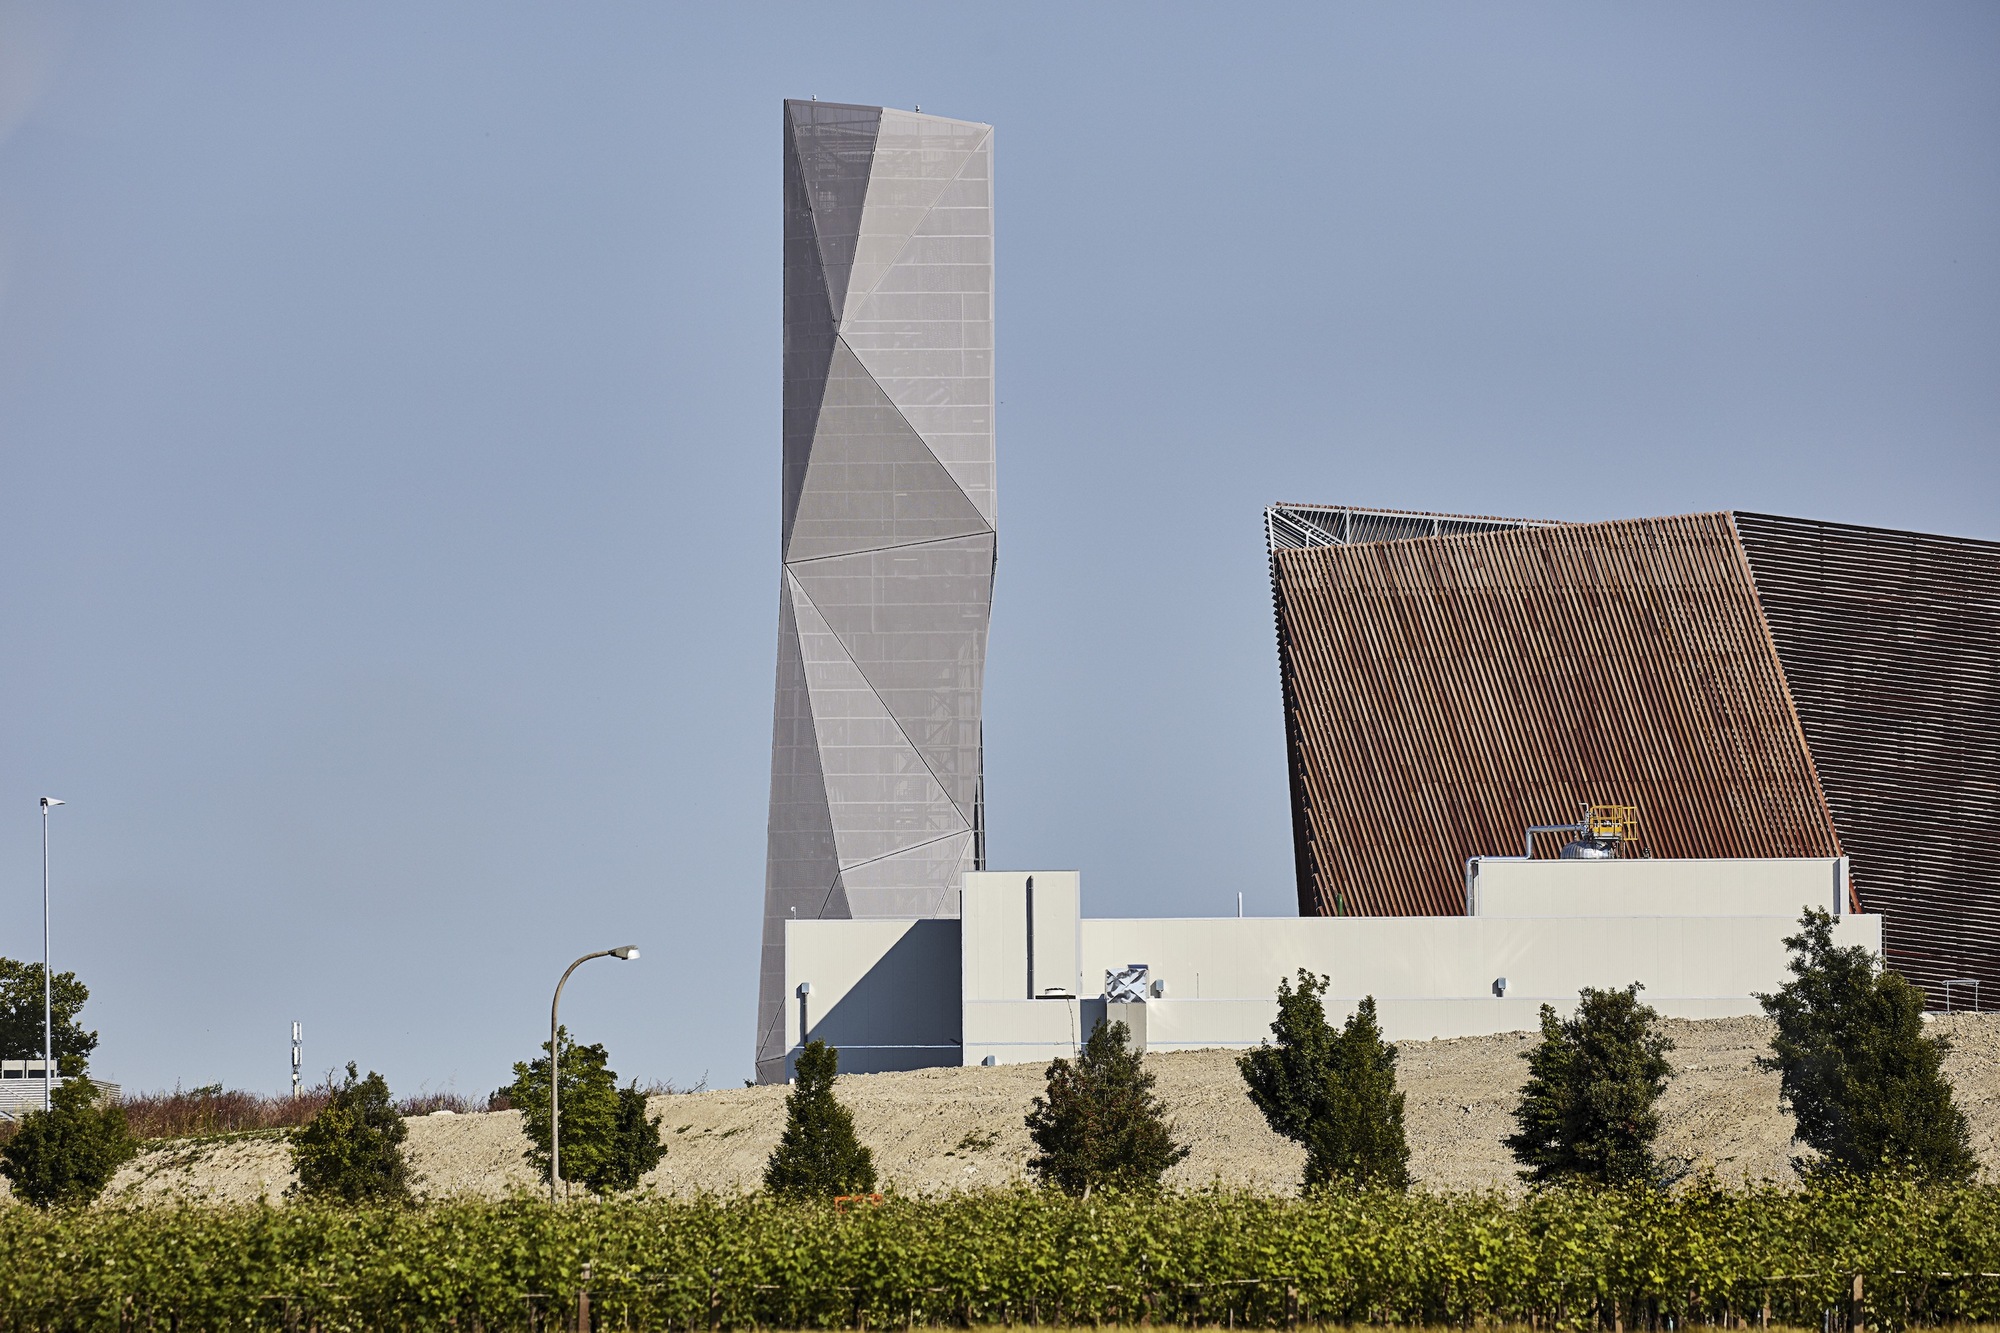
66	1155
1856	1068
1100	1124
352	1151
817	1156
608	1142
1587	1113
1332	1091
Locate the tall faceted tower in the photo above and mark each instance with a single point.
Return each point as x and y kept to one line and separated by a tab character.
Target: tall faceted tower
888	525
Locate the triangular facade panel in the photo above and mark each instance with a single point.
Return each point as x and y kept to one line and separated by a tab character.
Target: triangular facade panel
924	329
798	881
808	335
921	881
917	158
834	146
913	621
871	481
881	795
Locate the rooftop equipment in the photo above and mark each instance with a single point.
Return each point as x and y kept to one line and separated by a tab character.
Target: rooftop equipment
1127	985
1605	829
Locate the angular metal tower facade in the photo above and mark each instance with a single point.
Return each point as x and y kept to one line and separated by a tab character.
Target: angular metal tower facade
888	525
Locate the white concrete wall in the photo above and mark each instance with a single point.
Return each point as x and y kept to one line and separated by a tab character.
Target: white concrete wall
997	1017
884	991
994	905
907	994
1508	886
1433	976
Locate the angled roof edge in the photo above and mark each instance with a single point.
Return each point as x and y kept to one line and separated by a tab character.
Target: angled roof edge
1871	528
1296	526
876	106
1279	515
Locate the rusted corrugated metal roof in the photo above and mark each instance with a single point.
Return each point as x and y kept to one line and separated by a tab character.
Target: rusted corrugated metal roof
1891	645
1441	694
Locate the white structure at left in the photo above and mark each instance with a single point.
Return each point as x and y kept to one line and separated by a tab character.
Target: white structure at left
1023	976
21	1087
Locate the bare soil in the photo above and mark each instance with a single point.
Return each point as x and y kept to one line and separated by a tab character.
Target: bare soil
938	1130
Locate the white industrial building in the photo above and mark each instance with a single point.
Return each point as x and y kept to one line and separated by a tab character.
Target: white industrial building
1022	975
24	1083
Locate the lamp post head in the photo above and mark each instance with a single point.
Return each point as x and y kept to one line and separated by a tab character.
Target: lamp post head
627	951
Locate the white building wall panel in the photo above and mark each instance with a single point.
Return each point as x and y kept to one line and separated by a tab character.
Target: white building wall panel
900	993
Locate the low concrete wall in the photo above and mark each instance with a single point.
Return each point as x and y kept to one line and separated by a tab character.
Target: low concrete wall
908	994
1508	886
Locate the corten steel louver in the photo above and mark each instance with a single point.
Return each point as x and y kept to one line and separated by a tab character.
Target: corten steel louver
888	524
1891	645
1441	693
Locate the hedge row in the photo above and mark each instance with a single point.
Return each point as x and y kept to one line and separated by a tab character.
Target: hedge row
1560	1259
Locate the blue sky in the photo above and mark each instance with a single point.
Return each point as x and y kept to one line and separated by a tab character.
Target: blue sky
389	423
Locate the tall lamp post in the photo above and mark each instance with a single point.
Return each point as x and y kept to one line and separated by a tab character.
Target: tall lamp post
48	986
625	951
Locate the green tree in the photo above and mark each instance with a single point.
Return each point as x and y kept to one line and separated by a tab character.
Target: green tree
1332	1091
21	1016
66	1155
352	1151
1100	1124
817	1156
1856	1068
1587	1113
608	1143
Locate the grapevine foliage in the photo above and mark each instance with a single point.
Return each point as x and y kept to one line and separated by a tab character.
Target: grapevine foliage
1559	1258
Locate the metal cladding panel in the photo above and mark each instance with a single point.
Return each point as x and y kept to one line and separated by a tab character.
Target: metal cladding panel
871	482
1891	645
1442	693
912	620
887	535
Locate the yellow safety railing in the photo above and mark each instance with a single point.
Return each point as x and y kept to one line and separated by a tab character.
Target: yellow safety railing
1612	821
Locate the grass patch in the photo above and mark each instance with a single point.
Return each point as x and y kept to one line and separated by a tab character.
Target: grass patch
215	1112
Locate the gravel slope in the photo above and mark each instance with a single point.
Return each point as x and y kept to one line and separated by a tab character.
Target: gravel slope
950	1129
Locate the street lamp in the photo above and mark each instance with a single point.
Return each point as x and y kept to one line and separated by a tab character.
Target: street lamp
624	951
48	987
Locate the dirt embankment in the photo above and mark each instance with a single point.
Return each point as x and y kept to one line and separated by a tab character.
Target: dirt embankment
950	1129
